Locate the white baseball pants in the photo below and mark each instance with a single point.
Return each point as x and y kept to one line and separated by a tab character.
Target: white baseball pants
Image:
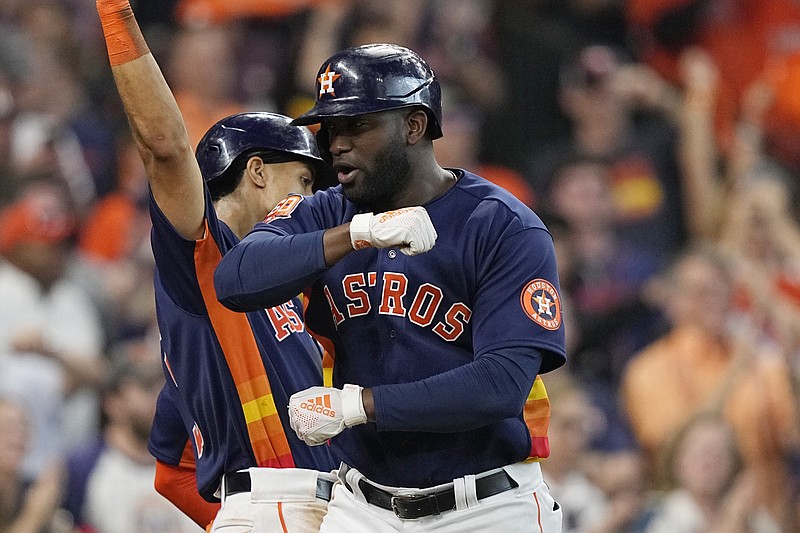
526	508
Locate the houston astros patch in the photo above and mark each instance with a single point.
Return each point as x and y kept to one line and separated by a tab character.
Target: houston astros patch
542	304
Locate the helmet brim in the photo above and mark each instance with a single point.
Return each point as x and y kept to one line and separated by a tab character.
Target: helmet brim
347	107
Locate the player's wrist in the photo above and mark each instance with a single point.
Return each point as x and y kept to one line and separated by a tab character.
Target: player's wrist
353	412
105	7
360	235
124	39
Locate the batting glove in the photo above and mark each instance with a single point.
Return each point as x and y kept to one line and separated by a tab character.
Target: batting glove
409	229
319	413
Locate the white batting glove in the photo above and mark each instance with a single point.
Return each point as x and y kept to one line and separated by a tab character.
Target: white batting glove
319	413
409	229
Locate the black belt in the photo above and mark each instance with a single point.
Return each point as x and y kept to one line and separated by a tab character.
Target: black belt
433	503
237	482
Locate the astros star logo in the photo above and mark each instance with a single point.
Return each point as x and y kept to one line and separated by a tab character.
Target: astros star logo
545	304
542	304
326	80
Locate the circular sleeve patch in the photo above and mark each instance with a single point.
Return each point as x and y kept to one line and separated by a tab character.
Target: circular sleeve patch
542	304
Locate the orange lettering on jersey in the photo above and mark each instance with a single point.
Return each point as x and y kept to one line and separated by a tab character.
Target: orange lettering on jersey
284	208
338	317
353	289
423	310
454	321
394	288
284	320
425	305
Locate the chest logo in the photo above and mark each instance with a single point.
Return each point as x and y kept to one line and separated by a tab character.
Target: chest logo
428	307
542	304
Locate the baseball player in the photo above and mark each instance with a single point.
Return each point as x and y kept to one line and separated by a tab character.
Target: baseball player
227	373
441	316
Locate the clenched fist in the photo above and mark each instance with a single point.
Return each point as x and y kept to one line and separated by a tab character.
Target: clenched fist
409	229
319	413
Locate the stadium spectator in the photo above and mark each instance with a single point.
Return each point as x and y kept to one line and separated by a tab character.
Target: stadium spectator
707	488
708	361
622	111
110	480
605	279
747	40
50	334
587	507
26	505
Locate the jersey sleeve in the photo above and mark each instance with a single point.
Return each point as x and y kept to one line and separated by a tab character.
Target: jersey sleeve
517	333
493	387
176	466
518	301
175	256
282	256
168	434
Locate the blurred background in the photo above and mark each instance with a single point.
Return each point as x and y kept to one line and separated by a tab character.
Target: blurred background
659	140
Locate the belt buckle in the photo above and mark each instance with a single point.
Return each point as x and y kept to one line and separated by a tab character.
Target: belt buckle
417	511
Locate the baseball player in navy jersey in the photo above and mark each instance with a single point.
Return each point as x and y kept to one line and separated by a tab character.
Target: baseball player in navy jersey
440	295
227	372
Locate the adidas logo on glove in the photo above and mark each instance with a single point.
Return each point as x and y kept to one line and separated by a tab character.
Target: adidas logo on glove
320	404
319	413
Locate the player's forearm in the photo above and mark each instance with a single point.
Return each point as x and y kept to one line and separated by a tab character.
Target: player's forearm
490	389
154	118
336	244
153	114
146	98
268	268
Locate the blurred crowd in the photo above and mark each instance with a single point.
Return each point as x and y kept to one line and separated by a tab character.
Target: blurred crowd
659	140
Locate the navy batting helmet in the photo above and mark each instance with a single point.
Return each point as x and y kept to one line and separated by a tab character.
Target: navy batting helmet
375	77
246	132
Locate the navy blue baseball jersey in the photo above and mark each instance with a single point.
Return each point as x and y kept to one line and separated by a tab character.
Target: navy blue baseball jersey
232	373
170	441
450	341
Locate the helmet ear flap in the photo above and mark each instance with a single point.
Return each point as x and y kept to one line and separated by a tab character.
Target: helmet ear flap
324	144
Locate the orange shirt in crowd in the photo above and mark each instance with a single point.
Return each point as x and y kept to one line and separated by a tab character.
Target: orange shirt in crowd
199	117
679	374
216	11
108	232
748	39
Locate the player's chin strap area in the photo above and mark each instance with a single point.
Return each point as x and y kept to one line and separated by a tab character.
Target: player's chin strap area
426	502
